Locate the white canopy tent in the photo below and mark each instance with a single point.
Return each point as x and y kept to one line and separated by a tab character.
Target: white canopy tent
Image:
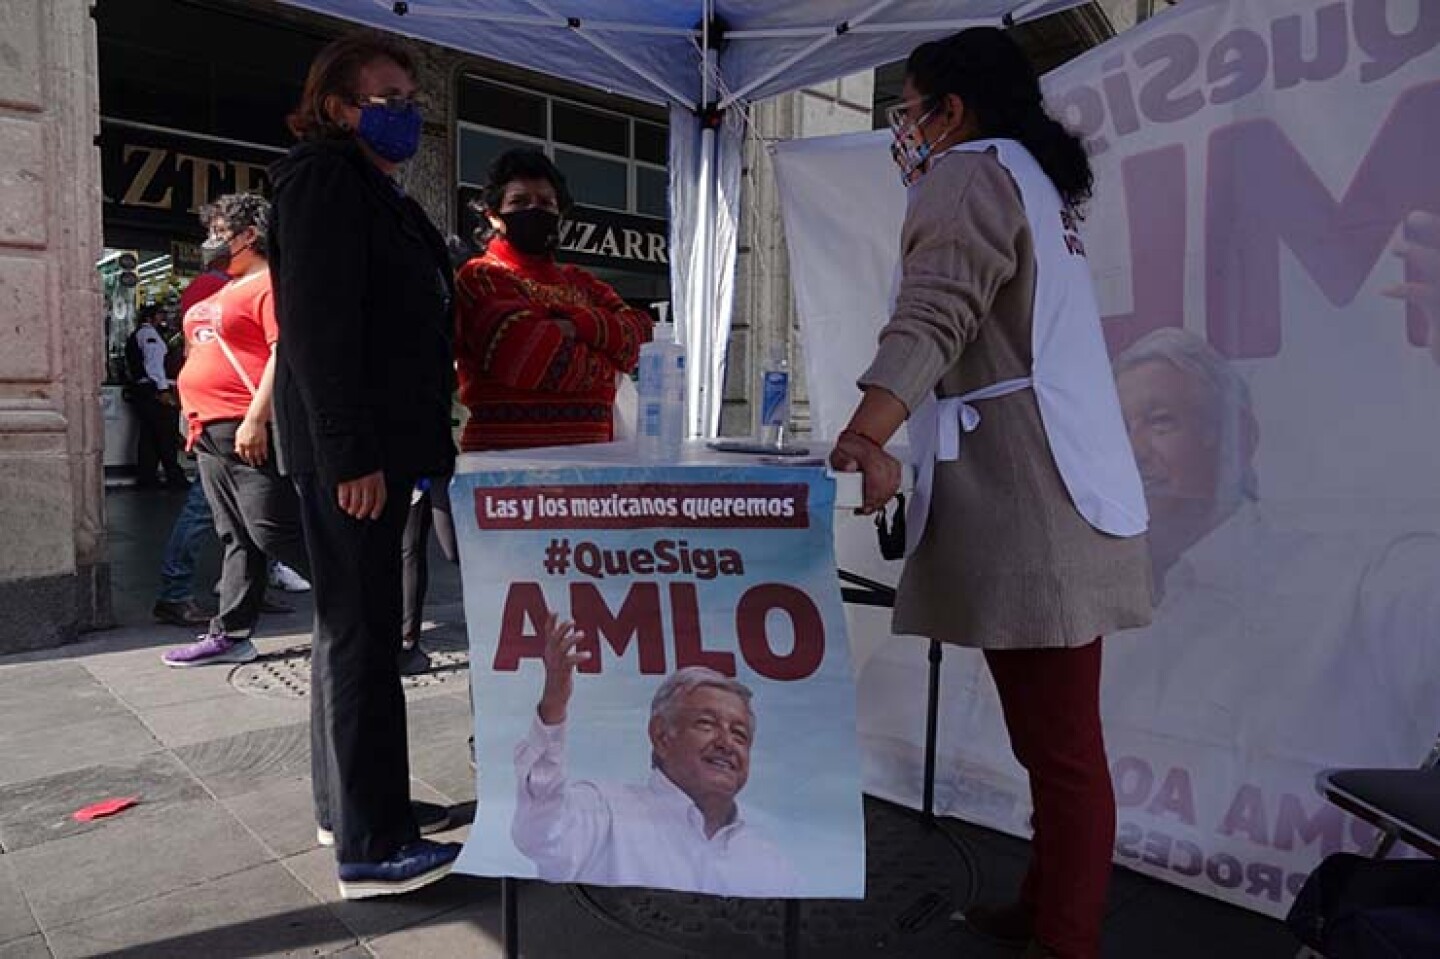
702	58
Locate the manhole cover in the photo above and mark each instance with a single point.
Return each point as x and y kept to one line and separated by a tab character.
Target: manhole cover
286	674
916	877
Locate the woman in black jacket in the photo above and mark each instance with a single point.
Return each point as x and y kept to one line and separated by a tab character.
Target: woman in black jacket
362	292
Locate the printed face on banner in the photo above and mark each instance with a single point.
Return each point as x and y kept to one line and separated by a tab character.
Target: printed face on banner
1265	242
662	683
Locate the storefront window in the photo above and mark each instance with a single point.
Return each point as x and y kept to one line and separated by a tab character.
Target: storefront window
594	180
611	160
652	143
592	129
652	191
479	148
502	108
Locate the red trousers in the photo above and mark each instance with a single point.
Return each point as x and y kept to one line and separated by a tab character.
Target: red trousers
1051	700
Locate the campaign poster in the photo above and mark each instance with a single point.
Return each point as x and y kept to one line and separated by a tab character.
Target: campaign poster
662	681
1265	242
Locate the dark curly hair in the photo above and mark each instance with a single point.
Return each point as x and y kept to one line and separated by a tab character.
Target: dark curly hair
241	211
524	164
987	70
335	71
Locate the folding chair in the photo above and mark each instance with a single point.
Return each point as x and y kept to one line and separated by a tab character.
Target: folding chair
1404	804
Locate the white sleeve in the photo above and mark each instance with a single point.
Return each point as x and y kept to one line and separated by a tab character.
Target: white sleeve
1400	615
558	825
152	348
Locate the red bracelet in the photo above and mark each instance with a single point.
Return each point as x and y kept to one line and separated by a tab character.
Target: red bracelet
861	436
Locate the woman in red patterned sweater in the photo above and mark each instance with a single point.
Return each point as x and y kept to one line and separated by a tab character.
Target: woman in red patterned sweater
538	345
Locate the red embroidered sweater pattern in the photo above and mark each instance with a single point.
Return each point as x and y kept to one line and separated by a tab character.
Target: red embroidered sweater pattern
537	349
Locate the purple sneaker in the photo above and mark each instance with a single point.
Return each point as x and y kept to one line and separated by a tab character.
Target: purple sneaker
212	648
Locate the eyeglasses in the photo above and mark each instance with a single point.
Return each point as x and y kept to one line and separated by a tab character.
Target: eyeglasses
898	116
394	104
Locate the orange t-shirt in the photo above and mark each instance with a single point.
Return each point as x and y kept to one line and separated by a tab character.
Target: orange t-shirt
243	313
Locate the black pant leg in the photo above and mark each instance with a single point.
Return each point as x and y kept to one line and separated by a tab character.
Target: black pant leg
167	441
359	743
444	520
147	450
416	559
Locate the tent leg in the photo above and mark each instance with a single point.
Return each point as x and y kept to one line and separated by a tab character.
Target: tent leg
932	724
701	357
792	928
510	917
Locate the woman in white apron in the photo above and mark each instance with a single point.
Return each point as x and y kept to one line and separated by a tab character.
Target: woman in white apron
1029	543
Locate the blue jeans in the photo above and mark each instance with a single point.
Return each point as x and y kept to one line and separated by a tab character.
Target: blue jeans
177	570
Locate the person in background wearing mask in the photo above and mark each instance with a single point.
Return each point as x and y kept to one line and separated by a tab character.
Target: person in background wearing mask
175	601
152	393
363	290
226	389
1030	543
537	344
429	510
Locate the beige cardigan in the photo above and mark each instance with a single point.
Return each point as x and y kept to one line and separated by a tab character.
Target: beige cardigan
1006	561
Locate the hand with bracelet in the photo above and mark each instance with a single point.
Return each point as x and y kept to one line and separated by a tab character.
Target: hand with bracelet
860	448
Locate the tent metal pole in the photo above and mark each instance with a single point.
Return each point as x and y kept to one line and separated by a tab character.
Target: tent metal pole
647	75
510	916
1023	10
912	26
549	20
703	388
839	31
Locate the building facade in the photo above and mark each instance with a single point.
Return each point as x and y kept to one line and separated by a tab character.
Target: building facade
120	118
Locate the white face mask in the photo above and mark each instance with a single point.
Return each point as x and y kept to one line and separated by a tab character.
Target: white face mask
911	150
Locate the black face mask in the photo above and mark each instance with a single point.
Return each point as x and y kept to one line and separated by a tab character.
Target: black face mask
215	254
533	231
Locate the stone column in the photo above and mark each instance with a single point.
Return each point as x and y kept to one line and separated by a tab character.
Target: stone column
53	574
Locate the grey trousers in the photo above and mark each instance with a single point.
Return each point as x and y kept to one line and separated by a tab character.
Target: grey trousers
256	515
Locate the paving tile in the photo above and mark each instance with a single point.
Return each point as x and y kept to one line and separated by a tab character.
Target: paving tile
1147	926
552	924
186	724
282	814
250	761
31	947
439	752
473	932
139	678
63	747
39	810
45	695
16	922
131	860
445	768
261	912
439	718
372	918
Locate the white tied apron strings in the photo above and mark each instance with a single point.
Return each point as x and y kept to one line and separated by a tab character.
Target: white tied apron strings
937	431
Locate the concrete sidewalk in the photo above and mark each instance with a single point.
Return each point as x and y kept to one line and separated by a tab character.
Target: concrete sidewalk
220	860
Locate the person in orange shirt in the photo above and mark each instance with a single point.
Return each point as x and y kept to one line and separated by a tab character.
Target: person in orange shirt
226	389
538	344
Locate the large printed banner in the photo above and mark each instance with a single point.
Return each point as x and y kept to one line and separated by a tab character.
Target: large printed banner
1265	238
695	730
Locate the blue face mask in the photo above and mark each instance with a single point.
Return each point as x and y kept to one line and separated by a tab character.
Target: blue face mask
394	134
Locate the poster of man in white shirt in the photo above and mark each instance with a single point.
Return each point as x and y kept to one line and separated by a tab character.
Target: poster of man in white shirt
683	826
663	689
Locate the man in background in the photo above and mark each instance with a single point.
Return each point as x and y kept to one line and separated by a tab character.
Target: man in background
152	394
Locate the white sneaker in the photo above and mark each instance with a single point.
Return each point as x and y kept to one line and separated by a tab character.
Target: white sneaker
285	578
